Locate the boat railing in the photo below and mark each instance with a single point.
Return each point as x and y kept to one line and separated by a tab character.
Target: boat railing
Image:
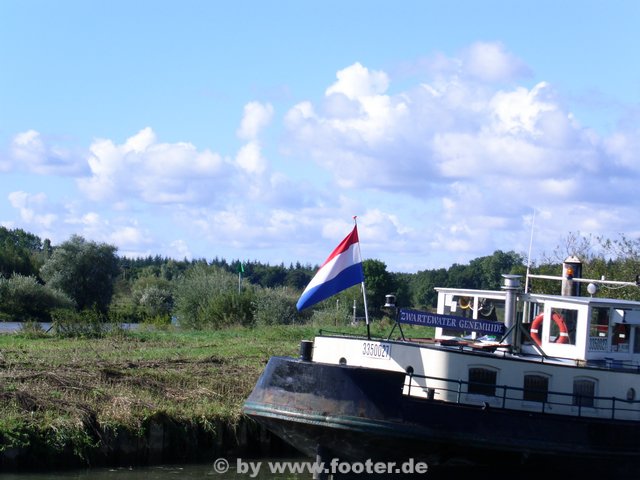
509	397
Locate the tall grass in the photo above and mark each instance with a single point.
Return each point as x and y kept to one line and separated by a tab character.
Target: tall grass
57	391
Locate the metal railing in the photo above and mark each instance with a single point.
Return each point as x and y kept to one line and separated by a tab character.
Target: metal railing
508	397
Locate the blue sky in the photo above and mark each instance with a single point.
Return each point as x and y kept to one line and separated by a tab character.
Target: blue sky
256	130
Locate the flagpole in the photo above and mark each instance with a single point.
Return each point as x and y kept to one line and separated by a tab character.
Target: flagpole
526	283
364	290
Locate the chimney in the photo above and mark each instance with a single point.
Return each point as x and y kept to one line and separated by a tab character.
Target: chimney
571	268
512	287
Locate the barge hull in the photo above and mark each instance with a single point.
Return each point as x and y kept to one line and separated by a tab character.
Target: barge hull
356	413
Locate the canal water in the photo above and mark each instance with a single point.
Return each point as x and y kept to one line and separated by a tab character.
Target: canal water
162	472
12	327
262	470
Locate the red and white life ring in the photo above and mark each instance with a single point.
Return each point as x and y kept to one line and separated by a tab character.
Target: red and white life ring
563	336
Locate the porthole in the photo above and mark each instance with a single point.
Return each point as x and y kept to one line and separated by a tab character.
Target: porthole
631	394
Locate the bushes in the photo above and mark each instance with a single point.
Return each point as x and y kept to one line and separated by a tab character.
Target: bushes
208	297
85	324
276	306
24	299
204	297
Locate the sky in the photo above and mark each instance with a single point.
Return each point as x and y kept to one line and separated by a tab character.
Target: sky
257	130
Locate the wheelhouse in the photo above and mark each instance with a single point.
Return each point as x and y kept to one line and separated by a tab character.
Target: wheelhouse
589	329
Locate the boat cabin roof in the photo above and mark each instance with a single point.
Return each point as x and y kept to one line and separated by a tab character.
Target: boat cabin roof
537	297
585	328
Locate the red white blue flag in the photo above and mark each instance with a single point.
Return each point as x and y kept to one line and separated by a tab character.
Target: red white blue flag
341	270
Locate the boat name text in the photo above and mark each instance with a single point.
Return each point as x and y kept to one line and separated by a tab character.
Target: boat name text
417	317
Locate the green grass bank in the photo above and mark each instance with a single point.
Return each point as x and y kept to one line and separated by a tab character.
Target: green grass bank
134	397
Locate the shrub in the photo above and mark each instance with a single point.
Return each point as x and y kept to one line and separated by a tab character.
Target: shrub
208	297
276	306
155	302
85	324
32	330
25	299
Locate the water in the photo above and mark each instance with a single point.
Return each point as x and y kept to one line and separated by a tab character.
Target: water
213	471
162	472
12	327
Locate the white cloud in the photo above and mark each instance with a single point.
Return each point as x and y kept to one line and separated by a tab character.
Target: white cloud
450	129
250	159
256	117
30	152
152	172
34	209
181	249
480	153
490	62
127	235
357	81
624	149
520	110
443	170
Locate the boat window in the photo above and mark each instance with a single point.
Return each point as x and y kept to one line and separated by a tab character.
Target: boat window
636	340
621	337
563	326
460	306
599	330
584	392
532	310
482	381
535	387
478	308
489	309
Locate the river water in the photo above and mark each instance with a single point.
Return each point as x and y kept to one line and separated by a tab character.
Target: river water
163	472
212	471
285	468
11	327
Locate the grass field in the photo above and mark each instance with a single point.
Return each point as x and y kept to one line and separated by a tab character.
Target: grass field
64	393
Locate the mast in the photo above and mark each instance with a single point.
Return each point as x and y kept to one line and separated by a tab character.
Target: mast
364	290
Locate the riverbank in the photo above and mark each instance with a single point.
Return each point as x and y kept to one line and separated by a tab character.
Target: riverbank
135	397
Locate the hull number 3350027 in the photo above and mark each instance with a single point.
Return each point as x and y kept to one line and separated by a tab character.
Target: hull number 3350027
376	350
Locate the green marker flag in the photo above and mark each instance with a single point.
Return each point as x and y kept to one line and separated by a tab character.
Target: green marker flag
240	272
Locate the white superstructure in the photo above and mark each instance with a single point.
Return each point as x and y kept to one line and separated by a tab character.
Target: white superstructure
559	354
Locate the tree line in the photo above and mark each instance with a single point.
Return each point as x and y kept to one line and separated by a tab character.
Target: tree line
84	281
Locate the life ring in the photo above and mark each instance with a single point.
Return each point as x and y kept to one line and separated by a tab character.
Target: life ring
563	337
465	303
486	307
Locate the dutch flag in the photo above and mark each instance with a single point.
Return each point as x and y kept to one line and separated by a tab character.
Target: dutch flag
341	270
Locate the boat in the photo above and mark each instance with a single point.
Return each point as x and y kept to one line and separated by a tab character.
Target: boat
512	381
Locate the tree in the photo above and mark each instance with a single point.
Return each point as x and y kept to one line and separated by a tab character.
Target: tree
25	299
378	283
20	252
488	270
299	278
153	296
84	270
275	306
207	297
423	285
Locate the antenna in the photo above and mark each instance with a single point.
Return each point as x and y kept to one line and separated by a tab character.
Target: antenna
526	282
